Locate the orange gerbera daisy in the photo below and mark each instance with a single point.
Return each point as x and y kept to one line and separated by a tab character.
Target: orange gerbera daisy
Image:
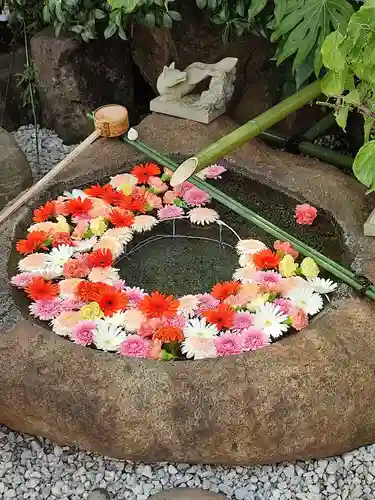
266	259
121	218
36	240
44	212
144	171
40	289
88	291
111	300
96	191
62	239
157	305
222	316
100	258
169	334
113	197
223	290
139	205
79	206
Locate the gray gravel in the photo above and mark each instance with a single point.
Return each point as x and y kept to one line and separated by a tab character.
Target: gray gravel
51	149
36	469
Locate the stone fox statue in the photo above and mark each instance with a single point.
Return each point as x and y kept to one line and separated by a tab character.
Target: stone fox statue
173	84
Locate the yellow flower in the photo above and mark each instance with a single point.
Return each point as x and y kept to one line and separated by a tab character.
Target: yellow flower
287	266
126	189
91	311
258	301
98	226
309	268
62	226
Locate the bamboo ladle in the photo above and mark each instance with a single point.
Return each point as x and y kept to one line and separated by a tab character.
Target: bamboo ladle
110	121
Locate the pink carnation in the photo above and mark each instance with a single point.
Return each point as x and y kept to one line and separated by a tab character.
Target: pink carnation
195	197
270	281
185	186
22	279
285	247
76	268
80	230
157	184
170	212
169	197
300	320
83	332
254	339
149	327
134	294
242	320
177	320
228	344
305	214
71	304
134	346
214	171
46	309
153	200
285	305
205	302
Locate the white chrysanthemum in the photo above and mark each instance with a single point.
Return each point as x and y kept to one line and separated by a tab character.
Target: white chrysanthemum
306	299
85	245
122	234
50	272
244	274
117	319
199	328
112	244
270	320
104	275
75	193
198	347
144	223
246	260
59	255
321	285
188	305
249	247
133	319
108	336
202	216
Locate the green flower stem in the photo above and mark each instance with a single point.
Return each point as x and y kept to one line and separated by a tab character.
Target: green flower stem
324	262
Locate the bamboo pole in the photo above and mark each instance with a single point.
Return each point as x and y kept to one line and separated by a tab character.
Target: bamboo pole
248	131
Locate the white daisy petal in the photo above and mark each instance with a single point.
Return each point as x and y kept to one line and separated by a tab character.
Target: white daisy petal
306	299
123	234
321	285
59	255
202	216
199	328
144	223
249	247
108	336
75	193
85	245
269	319
198	347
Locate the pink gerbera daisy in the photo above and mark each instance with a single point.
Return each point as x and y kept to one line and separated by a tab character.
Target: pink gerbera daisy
228	344
46	309
214	171
22	279
72	304
83	332
134	346
270	281
178	320
254	339
170	212
285	305
195	197
242	320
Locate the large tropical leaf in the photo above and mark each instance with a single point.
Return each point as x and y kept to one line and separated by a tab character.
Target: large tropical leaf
303	26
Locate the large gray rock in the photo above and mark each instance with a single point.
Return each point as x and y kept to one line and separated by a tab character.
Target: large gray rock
15	172
77	77
309	395
187	494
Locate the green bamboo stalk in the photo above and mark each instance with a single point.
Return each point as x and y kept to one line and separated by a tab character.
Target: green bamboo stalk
324	262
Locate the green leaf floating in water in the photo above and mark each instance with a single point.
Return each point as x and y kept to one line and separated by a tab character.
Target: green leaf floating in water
364	165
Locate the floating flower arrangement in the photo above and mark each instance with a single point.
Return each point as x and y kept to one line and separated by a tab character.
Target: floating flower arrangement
68	271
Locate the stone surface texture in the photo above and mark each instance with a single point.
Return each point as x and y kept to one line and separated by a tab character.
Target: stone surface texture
186	494
77	77
15	172
195	38
310	395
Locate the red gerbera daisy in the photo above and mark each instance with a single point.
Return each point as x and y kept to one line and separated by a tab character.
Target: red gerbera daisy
144	171
223	290
100	258
157	305
79	206
88	291
40	289
121	218
111	300
138	205
62	239
169	334
266	259
36	240
44	212
96	191
113	197
222	316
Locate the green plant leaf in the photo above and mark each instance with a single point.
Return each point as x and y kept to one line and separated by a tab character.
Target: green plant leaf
121	33
332	55
364	165
149	19
367	127
110	31
333	84
167	21
256	7
127	6
99	14
176	16
342	116
353	97
304	28
201	4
